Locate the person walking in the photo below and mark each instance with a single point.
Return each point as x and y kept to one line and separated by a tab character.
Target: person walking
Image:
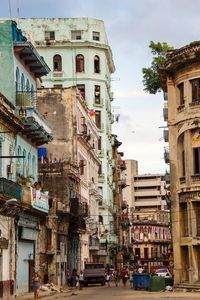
81	280
116	277
108	278
124	276
36	285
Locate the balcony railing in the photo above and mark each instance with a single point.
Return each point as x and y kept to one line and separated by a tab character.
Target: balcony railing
26	99
10	189
94	244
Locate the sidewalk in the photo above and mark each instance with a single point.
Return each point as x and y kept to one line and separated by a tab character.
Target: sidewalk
43	295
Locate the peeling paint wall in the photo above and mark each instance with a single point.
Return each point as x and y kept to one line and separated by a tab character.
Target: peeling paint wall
7	83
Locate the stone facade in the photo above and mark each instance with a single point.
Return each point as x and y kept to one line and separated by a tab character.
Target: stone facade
180	77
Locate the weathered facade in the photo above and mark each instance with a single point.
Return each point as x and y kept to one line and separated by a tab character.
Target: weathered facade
180	77
73	188
78	53
23	209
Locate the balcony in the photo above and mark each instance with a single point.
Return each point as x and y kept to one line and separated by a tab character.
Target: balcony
37	199
122	182
166	156
37	128
101	178
10	189
94	244
165	113
166	135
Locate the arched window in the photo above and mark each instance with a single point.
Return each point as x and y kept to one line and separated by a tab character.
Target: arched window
79	63
24	163
96	64
100	219
29	165
27	85
33	166
57	63
17	79
33	102
19	161
22	83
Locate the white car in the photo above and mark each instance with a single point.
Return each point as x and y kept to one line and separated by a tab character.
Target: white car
163	273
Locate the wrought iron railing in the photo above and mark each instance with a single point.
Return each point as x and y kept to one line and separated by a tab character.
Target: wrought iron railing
26	99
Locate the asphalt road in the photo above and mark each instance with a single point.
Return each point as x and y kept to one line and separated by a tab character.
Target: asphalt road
121	293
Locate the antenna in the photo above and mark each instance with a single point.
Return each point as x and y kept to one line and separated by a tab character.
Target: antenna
18	9
10	11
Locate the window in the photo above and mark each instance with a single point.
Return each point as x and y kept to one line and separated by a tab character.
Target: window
97	99
197	210
76	35
183	163
81	166
99	143
100	219
27	85
96	36
146	253
181	93
33	166
196	155
98	118
57	63
24	163
49	35
19	161
29	165
96	64
17	80
81	88
100	170
79	63
195	90
184	216
58	86
22	83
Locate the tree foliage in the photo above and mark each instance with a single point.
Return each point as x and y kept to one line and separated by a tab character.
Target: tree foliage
151	80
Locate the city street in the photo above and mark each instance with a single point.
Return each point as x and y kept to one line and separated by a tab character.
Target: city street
119	293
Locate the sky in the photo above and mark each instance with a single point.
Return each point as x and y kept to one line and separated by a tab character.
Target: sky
130	26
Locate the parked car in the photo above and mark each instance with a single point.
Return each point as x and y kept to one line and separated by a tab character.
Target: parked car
164	272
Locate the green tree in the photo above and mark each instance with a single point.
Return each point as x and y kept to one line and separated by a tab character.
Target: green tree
151	80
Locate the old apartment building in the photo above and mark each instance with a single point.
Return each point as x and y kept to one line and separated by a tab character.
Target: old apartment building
180	79
149	217
78	53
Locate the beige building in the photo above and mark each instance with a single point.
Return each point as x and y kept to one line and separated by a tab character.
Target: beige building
150	230
180	78
70	171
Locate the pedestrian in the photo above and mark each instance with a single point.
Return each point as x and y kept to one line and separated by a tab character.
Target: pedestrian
68	278
124	276
116	277
140	270
36	285
74	278
81	280
131	272
108	278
